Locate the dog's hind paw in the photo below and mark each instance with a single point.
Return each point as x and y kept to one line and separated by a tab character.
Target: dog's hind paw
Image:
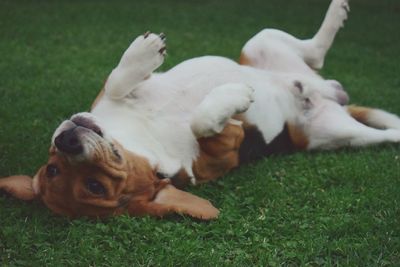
346	6
340	8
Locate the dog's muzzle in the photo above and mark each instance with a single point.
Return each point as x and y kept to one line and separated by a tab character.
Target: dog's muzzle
70	138
69	142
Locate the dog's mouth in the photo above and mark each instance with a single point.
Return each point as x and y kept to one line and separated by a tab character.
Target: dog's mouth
87	123
81	138
74	133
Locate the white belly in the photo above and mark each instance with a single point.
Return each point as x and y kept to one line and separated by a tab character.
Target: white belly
155	122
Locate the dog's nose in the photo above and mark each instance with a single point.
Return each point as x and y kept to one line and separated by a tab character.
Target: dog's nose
68	142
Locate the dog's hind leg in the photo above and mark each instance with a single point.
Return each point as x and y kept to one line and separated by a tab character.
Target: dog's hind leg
316	48
143	56
277	50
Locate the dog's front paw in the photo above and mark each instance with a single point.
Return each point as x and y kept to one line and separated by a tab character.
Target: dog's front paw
146	53
211	116
235	98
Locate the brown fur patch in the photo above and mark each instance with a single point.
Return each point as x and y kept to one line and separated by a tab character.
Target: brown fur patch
298	136
181	179
244	60
218	154
359	113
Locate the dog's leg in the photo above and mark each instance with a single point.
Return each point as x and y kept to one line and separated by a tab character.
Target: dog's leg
277	50
316	48
143	56
217	108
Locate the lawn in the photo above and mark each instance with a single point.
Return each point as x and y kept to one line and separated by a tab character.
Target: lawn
339	208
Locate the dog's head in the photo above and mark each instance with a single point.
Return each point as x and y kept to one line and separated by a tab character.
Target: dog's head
90	174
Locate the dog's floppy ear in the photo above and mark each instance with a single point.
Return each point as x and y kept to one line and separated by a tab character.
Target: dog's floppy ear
170	200
19	186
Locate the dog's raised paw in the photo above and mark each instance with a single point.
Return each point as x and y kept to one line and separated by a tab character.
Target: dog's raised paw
146	52
340	8
346	6
152	43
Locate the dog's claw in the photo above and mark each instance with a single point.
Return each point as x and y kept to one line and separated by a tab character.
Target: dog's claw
146	34
346	6
162	36
162	50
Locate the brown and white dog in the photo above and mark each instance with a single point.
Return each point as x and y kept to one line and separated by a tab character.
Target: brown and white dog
196	122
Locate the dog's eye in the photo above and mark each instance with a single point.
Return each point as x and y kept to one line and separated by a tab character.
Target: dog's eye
52	171
95	187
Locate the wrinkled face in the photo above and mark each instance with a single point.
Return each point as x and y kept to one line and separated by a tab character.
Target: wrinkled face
86	172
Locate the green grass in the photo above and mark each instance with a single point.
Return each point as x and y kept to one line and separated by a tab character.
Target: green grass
307	209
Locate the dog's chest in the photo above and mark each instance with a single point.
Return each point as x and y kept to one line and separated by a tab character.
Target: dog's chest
160	134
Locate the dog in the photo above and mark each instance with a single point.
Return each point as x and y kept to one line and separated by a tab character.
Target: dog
147	134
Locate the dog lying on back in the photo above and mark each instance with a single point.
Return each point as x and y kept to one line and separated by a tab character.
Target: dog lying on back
149	132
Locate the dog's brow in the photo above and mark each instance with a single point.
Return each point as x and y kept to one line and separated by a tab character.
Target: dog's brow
111	172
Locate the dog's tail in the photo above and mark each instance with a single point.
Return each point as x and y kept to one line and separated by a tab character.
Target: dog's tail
375	118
